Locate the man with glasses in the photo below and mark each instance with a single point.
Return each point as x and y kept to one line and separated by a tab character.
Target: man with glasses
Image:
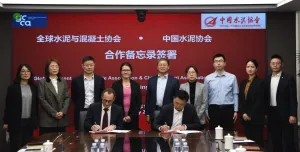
222	96
281	106
161	89
177	116
86	89
105	115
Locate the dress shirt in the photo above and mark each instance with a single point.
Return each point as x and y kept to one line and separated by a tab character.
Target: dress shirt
89	91
177	118
273	89
160	90
222	89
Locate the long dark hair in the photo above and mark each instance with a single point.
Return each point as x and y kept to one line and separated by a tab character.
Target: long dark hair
47	73
18	75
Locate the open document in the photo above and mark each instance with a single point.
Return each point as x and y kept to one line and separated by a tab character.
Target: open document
182	132
107	132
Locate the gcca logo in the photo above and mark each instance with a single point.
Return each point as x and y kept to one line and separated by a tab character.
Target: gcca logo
21	19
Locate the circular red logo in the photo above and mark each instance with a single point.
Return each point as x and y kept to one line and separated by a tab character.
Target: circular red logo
210	21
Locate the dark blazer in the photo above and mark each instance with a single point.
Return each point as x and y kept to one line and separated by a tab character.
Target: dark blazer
52	102
286	96
94	115
252	105
13	107
135	101
171	88
189	117
78	94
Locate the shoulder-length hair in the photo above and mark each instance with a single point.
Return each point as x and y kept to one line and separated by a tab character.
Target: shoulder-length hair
18	78
47	73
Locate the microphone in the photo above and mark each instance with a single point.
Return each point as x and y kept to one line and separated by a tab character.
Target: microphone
75	133
57	137
62	143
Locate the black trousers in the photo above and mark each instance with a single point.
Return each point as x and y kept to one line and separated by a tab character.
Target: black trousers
221	115
254	132
19	138
44	130
282	132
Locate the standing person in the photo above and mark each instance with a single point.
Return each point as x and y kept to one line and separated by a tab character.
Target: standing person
54	99
222	95
21	109
197	92
161	89
251	104
85	90
128	96
280	106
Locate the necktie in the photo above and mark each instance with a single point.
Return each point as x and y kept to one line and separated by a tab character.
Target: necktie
105	119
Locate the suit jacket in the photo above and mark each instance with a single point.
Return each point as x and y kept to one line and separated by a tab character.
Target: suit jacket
172	87
13	108
252	105
189	117
94	115
52	102
286	96
200	103
135	101
78	94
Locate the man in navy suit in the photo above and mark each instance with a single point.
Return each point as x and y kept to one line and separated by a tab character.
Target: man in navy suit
161	89
281	106
105	115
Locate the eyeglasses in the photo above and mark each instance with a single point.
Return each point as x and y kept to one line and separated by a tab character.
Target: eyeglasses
23	72
193	72
218	61
89	65
54	66
126	70
276	63
108	101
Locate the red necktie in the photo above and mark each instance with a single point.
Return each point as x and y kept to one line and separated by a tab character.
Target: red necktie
105	119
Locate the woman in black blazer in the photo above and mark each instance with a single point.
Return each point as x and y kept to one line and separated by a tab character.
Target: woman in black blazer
128	96
20	114
251	104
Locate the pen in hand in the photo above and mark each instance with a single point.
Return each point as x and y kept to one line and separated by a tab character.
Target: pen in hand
96	124
167	125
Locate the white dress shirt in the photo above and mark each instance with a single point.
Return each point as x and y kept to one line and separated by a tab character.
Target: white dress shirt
177	118
54	83
160	90
89	91
108	116
273	89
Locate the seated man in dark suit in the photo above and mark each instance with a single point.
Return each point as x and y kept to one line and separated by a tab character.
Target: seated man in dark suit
105	115
177	116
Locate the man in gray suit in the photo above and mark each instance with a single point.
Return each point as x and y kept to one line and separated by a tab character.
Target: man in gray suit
197	91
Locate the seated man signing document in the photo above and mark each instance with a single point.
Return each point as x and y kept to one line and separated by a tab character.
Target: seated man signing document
177	116
104	115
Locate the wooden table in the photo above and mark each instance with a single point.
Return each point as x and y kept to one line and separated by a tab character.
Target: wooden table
138	141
